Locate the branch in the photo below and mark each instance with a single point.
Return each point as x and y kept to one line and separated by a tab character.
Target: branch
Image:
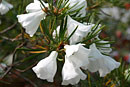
9	28
10	67
7	71
27	68
26	79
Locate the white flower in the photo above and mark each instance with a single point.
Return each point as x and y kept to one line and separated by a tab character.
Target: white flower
2	67
127	74
98	62
8	59
46	68
126	16
81	31
128	33
114	12
31	20
5	7
104	48
71	74
77	54
79	4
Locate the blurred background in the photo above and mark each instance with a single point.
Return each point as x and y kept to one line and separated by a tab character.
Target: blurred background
115	14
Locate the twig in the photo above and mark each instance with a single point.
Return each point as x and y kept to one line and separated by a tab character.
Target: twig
5	82
6	38
10	67
26	79
9	28
16	50
94	6
7	71
26	68
105	13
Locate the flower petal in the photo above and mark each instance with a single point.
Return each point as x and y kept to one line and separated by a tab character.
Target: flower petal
107	65
77	54
114	12
71	74
79	4
4	7
98	62
31	21
81	31
105	48
36	6
2	67
46	68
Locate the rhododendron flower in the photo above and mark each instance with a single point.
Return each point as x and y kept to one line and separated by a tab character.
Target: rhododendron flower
46	68
77	54
114	12
31	20
81	31
105	48
5	7
99	62
125	18
71	74
2	67
79	4
127	74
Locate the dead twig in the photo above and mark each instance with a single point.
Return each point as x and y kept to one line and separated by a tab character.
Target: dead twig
27	68
7	71
16	50
9	28
10	67
26	79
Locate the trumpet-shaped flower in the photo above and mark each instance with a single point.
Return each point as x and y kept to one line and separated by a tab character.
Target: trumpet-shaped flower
114	12
34	7
105	48
2	67
31	20
79	34
46	68
98	62
81	31
77	54
71	74
5	7
79	4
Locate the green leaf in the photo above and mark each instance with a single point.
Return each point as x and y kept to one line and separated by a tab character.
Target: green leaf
46	31
71	34
30	57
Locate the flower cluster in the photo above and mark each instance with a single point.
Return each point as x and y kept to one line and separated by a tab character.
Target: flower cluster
77	55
